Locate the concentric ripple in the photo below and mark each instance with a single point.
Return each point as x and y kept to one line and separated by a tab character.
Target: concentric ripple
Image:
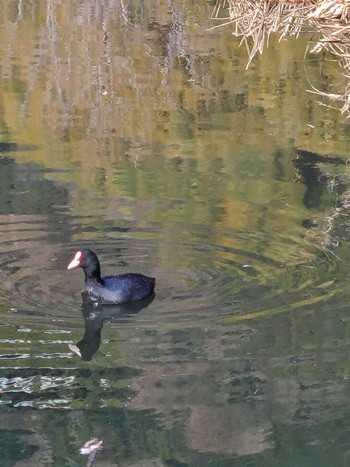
202	273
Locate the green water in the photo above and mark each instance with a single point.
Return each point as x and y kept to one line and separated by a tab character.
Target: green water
135	131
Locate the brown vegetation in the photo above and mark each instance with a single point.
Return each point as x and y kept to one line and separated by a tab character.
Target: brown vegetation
255	20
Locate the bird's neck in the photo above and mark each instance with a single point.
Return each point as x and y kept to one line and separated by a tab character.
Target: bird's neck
93	274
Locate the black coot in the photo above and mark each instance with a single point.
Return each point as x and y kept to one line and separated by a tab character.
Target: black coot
106	290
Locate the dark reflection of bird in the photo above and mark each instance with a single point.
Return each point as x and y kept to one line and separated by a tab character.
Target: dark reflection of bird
107	290
94	317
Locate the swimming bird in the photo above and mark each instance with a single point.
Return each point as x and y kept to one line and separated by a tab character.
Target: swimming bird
122	288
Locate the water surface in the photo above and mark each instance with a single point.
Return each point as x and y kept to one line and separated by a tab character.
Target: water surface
133	130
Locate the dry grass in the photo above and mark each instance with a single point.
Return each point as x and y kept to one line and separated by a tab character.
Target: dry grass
254	20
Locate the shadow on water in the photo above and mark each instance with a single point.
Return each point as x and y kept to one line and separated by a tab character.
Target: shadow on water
17	181
14	147
94	318
327	196
312	169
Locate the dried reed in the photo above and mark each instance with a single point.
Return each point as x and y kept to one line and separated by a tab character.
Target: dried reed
255	20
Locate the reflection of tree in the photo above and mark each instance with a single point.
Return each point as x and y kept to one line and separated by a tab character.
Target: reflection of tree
24	190
246	406
108	43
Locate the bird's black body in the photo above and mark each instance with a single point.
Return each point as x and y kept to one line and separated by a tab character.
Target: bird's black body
123	288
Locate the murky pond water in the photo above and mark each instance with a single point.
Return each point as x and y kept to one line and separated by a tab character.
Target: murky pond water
133	130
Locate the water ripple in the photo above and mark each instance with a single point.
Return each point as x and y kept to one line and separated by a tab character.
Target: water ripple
201	272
